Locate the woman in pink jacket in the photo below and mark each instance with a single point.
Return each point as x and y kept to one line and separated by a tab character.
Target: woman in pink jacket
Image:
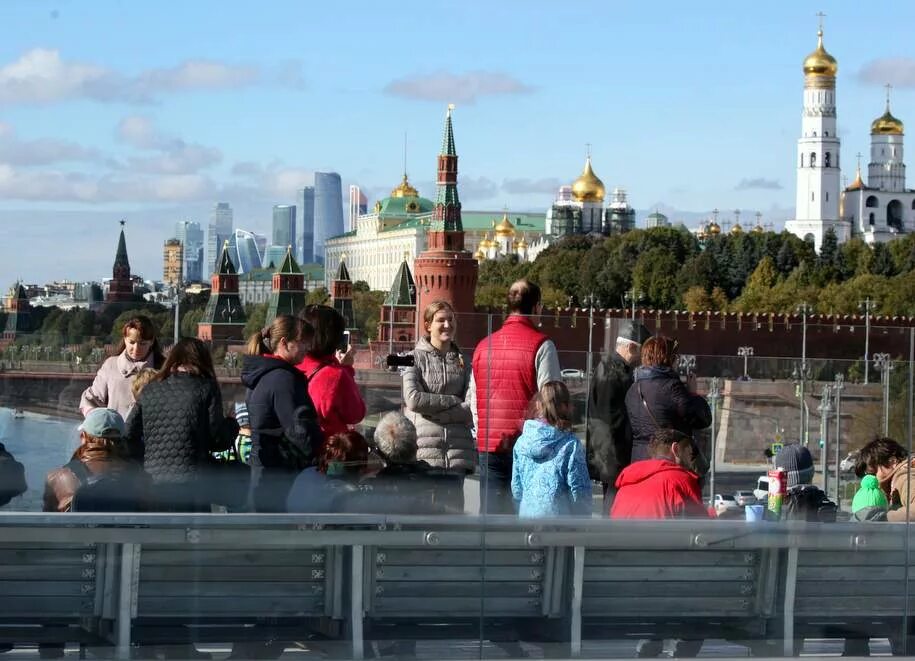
137	349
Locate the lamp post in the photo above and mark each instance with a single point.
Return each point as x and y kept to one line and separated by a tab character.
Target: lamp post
884	364
867	305
746	352
633	296
825	408
176	334
713	397
591	301
800	375
837	388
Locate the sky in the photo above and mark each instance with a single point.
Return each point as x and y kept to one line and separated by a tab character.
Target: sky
154	111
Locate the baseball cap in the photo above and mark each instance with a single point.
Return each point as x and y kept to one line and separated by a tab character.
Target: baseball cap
107	423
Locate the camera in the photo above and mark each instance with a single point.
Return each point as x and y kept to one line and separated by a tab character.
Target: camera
398	360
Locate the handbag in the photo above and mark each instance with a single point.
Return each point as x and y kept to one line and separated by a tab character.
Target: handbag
701	464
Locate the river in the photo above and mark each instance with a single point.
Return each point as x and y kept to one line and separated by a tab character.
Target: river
41	443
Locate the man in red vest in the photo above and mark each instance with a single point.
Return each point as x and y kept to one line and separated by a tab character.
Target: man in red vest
509	367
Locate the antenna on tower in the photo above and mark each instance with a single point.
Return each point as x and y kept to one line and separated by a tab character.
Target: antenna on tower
404	153
888	88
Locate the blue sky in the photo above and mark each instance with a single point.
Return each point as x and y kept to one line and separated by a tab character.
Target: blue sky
154	111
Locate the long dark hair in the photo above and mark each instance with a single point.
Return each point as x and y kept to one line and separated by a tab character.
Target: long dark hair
191	354
329	326
144	326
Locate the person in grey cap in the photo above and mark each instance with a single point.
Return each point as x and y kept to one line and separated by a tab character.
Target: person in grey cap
609	438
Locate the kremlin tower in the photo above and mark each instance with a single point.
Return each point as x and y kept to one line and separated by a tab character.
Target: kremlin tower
120	289
445	271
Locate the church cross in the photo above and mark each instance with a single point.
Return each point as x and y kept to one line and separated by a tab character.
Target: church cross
821	16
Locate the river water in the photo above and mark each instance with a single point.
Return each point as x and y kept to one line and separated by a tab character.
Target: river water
41	443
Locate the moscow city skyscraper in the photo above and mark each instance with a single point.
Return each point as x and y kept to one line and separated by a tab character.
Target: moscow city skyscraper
305	242
283	233
190	234
218	232
328	210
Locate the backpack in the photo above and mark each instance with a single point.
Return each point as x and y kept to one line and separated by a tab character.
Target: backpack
808	503
105	492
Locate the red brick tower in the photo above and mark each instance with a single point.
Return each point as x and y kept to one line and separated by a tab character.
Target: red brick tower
120	289
445	271
224	316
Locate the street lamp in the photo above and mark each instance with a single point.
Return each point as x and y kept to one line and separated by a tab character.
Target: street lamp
884	364
825	408
867	305
713	398
746	352
837	388
800	375
591	301
633	296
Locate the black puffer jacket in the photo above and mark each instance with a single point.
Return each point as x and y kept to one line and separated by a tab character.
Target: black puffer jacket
176	423
667	405
12	477
609	441
278	407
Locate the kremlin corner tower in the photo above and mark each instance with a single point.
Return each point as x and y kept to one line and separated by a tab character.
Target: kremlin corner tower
446	271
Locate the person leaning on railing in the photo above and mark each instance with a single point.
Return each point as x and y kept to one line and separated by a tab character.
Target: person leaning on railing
892	465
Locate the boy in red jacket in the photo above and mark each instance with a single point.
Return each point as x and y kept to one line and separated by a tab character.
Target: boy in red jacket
663	487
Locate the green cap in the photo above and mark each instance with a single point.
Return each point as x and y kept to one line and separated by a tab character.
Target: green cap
869	495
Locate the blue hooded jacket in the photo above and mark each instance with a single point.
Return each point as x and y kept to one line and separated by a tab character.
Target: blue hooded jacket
549	473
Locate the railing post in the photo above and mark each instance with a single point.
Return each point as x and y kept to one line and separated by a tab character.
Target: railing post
790	587
578	579
126	592
356	601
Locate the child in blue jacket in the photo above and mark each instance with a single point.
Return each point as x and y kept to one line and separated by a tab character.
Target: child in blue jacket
549	472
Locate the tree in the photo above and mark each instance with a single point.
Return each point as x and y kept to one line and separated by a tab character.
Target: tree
361	286
256	315
655	274
318	296
828	259
758	289
367	312
883	261
189	321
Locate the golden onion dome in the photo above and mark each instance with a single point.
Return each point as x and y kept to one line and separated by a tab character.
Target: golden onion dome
858	183
759	229
886	124
820	63
737	229
485	242
404	189
505	227
479	255
714	229
588	188
521	244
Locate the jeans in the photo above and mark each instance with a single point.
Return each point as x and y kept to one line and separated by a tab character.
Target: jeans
496	483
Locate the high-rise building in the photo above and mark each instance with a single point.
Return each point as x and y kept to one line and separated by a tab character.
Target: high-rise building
218	232
283	225
818	174
173	262
358	205
190	235
305	242
328	210
244	252
273	257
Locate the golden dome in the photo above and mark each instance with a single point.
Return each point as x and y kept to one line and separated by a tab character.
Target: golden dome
820	63
714	229
404	189
505	227
857	184
486	243
759	229
521	244
886	124
478	255
737	229
588	188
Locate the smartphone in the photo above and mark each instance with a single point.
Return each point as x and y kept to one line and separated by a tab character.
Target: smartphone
395	360
344	342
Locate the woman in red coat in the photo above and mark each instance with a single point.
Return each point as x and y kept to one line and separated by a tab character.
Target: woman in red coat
328	367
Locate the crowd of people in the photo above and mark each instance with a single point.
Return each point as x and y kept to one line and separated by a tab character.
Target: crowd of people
157	435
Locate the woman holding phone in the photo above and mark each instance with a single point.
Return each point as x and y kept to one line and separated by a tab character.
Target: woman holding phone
328	367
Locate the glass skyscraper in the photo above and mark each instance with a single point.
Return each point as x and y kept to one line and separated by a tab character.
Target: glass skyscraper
328	210
190	235
218	232
305	245
243	251
283	225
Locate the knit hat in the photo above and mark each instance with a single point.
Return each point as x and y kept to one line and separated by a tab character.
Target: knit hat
241	414
797	462
869	495
633	331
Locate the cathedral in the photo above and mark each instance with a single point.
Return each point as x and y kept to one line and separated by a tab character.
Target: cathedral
579	208
880	209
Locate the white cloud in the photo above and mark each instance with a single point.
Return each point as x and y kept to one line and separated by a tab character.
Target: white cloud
466	88
525	186
898	71
43	151
176	156
760	183
42	76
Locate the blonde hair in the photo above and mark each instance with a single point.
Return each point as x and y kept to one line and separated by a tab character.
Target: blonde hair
143	377
554	405
284	326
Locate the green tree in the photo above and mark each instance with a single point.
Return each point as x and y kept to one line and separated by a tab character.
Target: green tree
256	314
759	287
189	321
655	274
367	312
361	286
882	263
318	296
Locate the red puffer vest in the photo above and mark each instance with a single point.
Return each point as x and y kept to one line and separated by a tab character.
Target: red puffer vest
506	379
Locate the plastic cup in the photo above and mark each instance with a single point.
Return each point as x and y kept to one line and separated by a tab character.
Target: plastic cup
754	512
